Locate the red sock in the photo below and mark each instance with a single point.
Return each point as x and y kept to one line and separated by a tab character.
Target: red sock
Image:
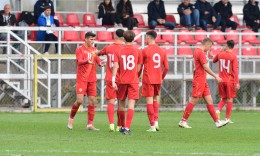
156	110
221	104
121	118
150	113
110	113
229	109
212	112
74	109
91	114
130	115
187	112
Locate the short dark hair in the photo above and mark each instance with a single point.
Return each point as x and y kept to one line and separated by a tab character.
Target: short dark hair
47	7
230	44
152	33
120	32
206	40
90	34
129	36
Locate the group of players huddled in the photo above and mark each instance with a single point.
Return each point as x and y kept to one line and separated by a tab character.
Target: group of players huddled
125	65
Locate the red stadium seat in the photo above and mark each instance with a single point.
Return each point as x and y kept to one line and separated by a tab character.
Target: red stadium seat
170	18
138	31
104	36
169	49
71	36
60	19
251	38
140	19
33	36
200	37
235	19
235	50
184	50
72	19
217	36
82	35
249	50
89	20
183	37
168	38
232	36
18	16
258	50
215	49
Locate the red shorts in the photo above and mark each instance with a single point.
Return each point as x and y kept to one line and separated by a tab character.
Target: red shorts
149	90
227	90
128	90
92	89
110	91
200	89
81	87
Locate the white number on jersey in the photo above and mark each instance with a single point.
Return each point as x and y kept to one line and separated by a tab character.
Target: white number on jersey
157	60
128	62
223	66
111	60
90	56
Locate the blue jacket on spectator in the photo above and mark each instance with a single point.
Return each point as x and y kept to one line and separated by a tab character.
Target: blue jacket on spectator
205	6
155	12
39	8
42	22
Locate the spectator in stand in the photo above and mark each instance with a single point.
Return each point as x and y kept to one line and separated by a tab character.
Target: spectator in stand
207	14
39	7
252	15
224	9
125	13
8	19
108	13
157	15
25	21
189	15
46	20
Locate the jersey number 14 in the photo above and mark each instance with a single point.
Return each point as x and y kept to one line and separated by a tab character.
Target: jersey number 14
224	66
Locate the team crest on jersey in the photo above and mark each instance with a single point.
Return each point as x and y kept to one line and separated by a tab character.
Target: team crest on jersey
80	89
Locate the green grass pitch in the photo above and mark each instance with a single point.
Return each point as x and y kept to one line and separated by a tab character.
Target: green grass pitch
46	134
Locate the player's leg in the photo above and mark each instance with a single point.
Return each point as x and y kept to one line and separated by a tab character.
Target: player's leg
133	95
156	105
148	93
231	93
110	96
187	112
212	111
74	109
229	108
121	114
91	92
222	94
221	104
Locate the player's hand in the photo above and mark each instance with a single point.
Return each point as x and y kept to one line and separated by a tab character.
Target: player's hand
218	79
214	19
206	12
89	62
96	52
238	86
114	85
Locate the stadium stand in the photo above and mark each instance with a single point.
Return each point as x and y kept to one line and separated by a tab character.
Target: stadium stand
104	36
140	20
168	38
72	19
217	36
71	36
60	19
200	37
89	20
183	37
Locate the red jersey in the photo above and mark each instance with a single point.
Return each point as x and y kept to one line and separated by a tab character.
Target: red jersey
199	74
228	66
110	51
93	74
128	59
83	54
154	59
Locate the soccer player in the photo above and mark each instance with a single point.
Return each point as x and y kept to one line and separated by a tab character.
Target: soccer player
228	71
200	86
85	57
155	69
111	94
128	61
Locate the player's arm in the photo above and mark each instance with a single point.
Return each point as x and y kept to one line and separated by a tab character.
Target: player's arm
101	52
80	59
215	59
210	72
114	71
98	61
165	66
140	62
235	68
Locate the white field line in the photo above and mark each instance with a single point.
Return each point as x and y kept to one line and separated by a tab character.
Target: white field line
15	152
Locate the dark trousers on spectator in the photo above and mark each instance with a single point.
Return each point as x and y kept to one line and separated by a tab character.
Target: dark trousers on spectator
227	23
128	22
255	26
50	37
204	22
110	19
